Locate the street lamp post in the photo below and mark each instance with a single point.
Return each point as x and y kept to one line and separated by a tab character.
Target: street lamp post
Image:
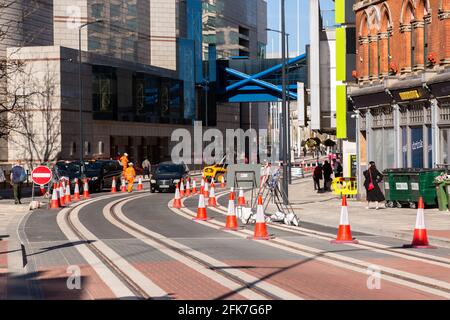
284	124
80	81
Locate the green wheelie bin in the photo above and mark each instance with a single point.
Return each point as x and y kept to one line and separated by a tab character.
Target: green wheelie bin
406	186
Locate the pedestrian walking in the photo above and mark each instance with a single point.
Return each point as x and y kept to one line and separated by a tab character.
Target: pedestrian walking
130	175
18	177
373	178
327	172
147	168
338	170
317	175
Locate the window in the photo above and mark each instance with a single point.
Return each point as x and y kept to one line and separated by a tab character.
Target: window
87	148
73	149
417	147
101	147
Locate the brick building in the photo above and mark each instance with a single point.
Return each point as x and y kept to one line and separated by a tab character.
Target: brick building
402	82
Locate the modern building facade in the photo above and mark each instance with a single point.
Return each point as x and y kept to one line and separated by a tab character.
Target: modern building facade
141	66
402	94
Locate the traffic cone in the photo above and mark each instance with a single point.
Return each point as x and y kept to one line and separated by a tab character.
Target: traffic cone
62	200
113	185
188	188
241	198
206	190
86	189
222	182
344	233
140	187
76	192
42	189
54	204
177	201
123	186
68	198
212	201
182	189
194	187
203	182
231	223
420	238
260	226
201	211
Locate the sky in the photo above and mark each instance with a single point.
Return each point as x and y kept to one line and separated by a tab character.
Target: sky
297	24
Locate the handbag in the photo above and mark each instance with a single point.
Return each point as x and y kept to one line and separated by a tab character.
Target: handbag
371	185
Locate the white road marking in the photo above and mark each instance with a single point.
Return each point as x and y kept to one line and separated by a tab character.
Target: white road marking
119	289
128	269
363	269
108	277
283	294
414	256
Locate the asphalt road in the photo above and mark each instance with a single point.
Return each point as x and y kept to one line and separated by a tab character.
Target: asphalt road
135	246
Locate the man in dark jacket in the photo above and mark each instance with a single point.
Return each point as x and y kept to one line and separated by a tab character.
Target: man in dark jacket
327	172
17	178
318	175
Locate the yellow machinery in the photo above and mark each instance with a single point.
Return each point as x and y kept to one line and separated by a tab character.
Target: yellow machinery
216	171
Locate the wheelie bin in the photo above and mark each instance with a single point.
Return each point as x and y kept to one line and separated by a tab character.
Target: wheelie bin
406	186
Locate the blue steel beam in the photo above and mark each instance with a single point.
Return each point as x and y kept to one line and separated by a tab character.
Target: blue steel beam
260	83
262	74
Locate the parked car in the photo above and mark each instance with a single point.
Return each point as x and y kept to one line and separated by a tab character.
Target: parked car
100	174
167	175
69	170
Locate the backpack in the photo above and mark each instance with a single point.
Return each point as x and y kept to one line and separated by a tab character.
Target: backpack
23	175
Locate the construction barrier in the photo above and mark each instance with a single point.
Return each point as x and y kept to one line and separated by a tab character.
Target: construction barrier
344	187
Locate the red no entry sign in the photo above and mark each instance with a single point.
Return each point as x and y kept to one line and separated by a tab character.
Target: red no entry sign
41	175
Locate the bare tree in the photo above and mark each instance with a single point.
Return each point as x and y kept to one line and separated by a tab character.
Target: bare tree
36	129
11	32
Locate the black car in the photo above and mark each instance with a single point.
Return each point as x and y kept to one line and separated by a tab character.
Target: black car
101	172
167	175
70	170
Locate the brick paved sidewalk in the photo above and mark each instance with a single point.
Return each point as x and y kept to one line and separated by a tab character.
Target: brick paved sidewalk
324	209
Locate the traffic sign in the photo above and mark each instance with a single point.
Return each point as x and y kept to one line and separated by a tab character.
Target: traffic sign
41	175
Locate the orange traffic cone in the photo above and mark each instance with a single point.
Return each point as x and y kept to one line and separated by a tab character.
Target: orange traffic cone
212	201
201	211
420	238
140	187
54	204
231	223
260	226
222	182
241	198
188	188
43	192
113	185
177	201
86	189
68	198
203	182
76	192
182	189
344	233
123	186
62	200
206	190
194	187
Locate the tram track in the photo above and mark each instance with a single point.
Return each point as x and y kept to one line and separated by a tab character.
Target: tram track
426	284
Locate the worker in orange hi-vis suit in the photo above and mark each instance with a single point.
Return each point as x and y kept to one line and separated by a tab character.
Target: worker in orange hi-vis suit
124	161
130	174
